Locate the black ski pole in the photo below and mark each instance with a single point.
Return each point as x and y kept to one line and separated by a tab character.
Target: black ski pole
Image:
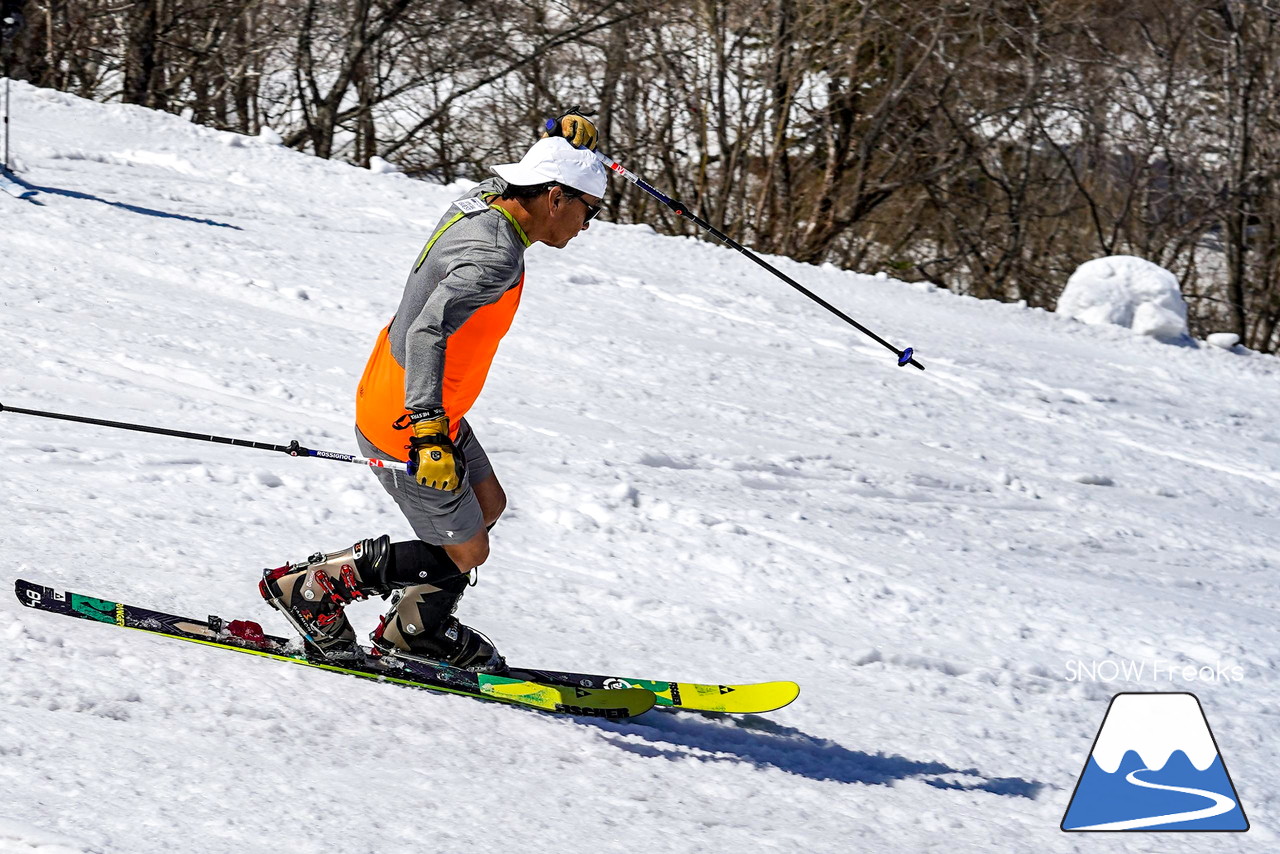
293	449
6	106
9	26
681	209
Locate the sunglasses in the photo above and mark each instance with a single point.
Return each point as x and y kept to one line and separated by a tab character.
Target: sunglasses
592	210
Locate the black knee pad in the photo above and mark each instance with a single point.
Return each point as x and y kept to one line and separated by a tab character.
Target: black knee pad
415	562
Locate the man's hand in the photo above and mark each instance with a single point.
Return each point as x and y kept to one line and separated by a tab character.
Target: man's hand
433	460
574	127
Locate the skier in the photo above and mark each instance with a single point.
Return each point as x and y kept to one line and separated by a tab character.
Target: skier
426	370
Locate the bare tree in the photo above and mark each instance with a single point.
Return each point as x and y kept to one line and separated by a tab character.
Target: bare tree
988	145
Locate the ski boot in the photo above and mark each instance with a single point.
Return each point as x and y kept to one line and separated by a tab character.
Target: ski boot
421	627
314	594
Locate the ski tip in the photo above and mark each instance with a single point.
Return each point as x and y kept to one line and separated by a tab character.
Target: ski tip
747	699
783	693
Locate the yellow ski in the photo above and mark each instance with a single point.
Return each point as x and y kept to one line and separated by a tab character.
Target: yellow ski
731	699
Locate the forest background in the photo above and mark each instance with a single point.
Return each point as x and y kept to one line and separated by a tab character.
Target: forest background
990	147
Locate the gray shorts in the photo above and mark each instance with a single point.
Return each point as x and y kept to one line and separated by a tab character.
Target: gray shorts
436	516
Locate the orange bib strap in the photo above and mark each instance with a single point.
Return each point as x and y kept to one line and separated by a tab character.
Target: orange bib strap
380	400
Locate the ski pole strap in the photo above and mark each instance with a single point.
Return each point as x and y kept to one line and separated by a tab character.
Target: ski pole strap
681	209
293	449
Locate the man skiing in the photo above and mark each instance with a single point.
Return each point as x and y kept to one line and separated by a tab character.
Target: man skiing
425	372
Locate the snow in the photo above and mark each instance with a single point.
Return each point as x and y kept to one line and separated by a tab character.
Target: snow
1126	291
384	167
709	478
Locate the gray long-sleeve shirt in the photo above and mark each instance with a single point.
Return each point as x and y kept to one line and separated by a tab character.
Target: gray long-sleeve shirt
472	264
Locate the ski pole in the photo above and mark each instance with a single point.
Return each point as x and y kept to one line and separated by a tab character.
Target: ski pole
681	209
293	449
8	28
6	108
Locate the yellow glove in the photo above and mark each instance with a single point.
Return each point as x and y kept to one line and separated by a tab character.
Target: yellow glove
575	127
434	461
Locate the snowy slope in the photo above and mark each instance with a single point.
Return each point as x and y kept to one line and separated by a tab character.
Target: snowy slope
709	479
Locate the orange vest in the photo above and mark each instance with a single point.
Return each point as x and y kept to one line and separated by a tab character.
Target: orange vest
468	355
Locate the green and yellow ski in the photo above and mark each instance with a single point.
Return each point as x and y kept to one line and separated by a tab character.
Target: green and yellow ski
691	696
548	690
248	638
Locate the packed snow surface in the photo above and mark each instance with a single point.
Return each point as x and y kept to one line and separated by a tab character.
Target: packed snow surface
1126	291
710	479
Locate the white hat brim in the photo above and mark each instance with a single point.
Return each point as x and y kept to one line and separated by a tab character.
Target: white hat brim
520	175
554	159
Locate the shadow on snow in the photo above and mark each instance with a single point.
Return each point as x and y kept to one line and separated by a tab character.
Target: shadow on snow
75	194
761	742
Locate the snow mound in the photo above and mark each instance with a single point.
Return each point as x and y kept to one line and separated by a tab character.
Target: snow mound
1126	291
382	167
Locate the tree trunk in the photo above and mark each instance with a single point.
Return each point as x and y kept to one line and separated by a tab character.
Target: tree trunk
142	53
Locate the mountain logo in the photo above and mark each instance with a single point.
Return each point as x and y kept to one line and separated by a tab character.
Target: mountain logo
1155	766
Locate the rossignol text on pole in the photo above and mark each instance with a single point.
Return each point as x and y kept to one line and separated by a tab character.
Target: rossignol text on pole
293	449
681	209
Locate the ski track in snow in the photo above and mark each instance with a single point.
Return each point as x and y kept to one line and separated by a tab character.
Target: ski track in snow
709	479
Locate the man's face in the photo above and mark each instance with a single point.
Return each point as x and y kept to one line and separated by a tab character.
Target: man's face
568	216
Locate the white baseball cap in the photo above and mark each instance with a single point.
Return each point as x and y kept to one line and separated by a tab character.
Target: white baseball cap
555	159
